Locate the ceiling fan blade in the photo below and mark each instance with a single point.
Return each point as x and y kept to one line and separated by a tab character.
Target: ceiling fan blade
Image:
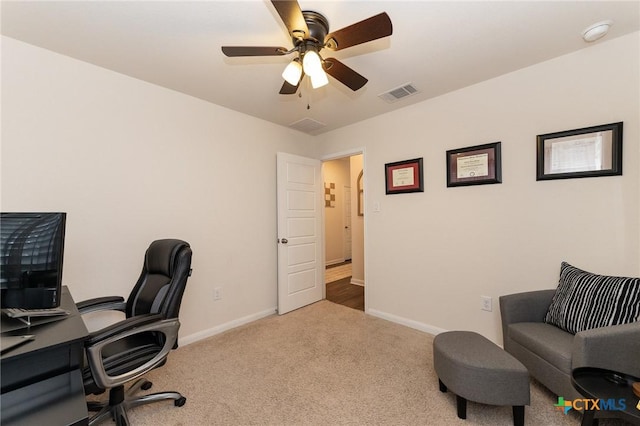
291	15
289	89
344	74
233	51
373	28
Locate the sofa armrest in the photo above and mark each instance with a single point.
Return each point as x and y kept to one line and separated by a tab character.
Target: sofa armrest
530	306
525	307
614	348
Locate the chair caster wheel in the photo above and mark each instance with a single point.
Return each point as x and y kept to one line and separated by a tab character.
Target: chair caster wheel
180	402
146	385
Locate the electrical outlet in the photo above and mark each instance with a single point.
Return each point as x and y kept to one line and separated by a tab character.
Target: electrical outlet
217	293
486	303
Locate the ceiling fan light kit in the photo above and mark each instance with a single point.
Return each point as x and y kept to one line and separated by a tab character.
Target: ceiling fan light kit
318	80
311	63
293	72
310	34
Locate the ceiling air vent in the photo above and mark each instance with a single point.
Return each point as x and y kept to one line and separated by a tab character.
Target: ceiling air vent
307	125
398	93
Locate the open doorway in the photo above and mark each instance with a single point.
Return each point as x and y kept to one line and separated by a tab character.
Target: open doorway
344	230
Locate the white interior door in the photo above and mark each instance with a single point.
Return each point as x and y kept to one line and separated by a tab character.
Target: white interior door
347	223
300	253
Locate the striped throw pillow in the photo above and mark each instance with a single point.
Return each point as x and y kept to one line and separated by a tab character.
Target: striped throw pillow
584	300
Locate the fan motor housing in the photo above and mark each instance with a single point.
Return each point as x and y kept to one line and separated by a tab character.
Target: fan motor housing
317	24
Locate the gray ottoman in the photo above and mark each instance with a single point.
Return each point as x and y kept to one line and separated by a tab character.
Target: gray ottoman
476	369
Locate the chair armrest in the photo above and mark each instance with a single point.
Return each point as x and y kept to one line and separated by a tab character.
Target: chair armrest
530	306
614	348
109	303
135	325
121	327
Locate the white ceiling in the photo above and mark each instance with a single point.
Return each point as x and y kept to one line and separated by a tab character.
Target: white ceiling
437	46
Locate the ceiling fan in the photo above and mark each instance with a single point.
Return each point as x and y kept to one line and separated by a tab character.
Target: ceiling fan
310	34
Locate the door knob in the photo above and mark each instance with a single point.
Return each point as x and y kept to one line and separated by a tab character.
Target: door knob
284	241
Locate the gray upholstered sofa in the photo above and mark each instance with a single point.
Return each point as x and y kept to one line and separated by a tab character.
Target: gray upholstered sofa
550	353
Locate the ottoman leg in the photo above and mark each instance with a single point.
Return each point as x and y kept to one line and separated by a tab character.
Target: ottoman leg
461	403
518	415
443	387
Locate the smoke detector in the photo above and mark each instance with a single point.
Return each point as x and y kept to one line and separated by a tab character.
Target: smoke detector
596	31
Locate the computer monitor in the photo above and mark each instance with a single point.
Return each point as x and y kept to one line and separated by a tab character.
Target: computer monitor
31	255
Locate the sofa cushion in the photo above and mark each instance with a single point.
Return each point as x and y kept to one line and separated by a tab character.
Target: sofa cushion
546	341
584	300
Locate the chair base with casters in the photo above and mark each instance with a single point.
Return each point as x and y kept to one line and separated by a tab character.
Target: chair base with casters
120	401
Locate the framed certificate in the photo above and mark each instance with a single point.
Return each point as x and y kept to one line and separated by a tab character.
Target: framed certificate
588	152
474	165
404	176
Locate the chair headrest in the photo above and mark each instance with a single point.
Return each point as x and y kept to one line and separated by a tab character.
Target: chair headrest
161	255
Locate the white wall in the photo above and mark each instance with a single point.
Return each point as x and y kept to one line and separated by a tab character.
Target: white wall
131	162
429	256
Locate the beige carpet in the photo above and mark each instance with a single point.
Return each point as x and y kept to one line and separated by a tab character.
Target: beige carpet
324	364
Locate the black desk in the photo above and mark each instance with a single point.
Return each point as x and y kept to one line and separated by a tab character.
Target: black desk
598	383
41	380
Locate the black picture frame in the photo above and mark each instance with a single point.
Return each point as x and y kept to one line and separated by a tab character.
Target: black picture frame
475	165
587	152
405	176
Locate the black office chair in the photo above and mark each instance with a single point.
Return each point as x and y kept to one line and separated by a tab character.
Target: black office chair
124	351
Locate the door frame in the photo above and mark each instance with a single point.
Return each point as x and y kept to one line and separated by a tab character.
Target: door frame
335	156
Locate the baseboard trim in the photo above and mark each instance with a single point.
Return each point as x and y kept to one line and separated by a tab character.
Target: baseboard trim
195	337
357	282
334	262
201	335
427	328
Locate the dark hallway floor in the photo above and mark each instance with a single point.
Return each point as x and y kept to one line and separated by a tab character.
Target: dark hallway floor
346	294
